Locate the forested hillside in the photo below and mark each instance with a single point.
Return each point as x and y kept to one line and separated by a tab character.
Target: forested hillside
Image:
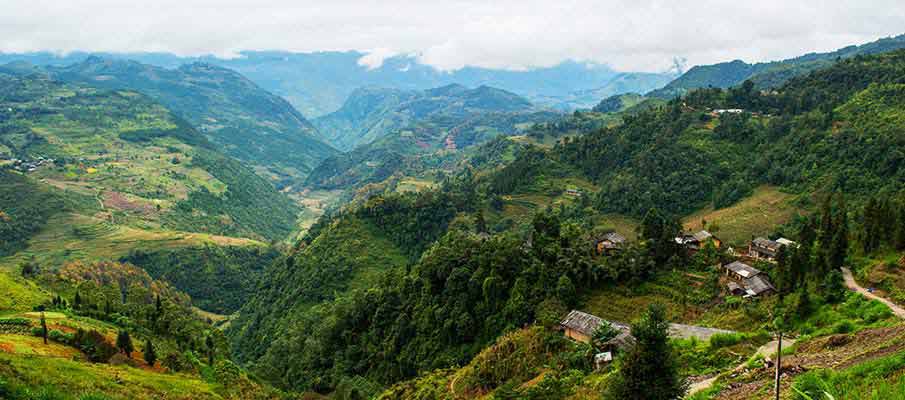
768	74
836	130
244	120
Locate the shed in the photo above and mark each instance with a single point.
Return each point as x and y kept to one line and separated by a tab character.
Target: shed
735	289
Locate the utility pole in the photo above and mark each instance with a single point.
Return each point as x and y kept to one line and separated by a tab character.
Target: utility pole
778	362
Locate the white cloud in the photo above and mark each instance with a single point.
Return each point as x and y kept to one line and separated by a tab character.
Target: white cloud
638	35
374	58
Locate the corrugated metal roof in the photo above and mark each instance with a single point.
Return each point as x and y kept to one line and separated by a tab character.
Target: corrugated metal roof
744	270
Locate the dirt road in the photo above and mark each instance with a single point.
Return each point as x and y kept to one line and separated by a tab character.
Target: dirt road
853	285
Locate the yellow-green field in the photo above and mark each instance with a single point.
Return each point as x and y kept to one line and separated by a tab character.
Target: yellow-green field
758	214
82	378
19	294
69	237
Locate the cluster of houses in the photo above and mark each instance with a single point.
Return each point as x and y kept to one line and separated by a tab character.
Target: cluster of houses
744	280
29	165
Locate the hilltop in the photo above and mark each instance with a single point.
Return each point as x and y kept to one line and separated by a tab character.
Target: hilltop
768	75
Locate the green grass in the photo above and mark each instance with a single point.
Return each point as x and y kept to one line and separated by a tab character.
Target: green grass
879	379
75	378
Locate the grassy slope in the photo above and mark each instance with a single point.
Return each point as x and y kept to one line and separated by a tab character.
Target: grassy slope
756	215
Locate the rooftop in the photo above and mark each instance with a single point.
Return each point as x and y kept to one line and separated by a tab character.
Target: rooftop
742	269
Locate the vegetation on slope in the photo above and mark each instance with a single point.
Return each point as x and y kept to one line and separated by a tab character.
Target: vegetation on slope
769	74
248	122
145	166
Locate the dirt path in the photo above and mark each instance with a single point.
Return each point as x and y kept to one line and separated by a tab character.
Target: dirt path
853	285
767	350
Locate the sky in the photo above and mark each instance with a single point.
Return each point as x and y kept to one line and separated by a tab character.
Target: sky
637	35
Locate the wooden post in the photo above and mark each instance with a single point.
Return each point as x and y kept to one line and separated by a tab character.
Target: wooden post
778	363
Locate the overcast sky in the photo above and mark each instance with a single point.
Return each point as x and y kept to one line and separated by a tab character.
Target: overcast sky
636	35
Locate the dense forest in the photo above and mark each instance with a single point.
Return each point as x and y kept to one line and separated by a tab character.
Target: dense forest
219	279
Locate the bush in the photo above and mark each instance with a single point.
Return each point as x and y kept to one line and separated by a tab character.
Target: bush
721	340
121	359
15	321
60	337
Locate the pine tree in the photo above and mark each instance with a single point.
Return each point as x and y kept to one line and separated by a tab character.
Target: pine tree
209	341
649	369
124	343
899	241
43	327
833	286
149	354
480	223
838	248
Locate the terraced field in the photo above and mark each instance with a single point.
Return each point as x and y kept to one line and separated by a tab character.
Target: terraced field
70	237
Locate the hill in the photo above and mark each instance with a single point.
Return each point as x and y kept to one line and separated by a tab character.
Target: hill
415	133
235	114
372	113
127	159
768	74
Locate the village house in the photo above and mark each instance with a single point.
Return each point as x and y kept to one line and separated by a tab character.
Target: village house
609	242
698	240
580	326
720	111
746	281
766	249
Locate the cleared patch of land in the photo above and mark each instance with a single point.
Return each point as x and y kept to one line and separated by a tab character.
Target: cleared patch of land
758	214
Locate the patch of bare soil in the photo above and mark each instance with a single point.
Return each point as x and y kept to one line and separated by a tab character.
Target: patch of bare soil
834	352
118	201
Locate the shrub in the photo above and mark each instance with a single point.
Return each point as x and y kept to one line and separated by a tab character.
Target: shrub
721	340
60	337
15	321
121	359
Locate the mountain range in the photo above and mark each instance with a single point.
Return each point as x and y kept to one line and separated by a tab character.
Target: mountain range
319	83
768	75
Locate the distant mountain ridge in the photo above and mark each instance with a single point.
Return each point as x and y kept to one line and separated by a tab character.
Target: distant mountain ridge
390	130
318	83
768	74
372	113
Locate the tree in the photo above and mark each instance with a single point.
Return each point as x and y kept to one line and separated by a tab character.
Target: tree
77	301
124	343
565	290
480	223
209	342
149	354
649	369
43	327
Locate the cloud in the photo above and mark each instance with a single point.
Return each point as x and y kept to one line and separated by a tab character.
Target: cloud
637	35
374	58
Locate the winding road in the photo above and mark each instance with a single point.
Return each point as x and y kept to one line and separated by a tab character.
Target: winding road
853	285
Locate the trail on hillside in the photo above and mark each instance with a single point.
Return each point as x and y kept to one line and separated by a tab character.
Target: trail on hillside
853	285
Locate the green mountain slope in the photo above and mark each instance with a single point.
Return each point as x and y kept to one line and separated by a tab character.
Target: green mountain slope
244	120
414	132
142	165
372	113
769	74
